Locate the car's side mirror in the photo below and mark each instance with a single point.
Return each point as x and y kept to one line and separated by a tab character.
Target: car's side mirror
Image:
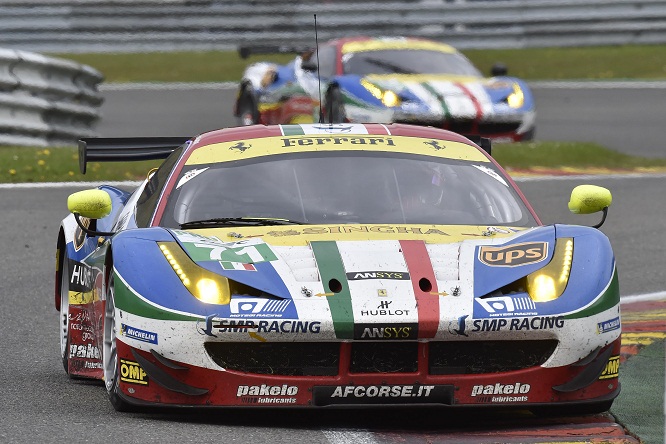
499	69
309	65
588	199
92	204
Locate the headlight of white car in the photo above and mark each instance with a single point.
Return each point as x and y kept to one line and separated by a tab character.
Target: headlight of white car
388	97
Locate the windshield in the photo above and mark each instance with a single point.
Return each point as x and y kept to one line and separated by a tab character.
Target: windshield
345	187
407	61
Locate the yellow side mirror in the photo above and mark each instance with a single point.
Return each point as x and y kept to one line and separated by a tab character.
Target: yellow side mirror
587	199
93	204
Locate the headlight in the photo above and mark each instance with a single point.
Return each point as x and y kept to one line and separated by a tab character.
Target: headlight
549	282
388	97
516	99
204	285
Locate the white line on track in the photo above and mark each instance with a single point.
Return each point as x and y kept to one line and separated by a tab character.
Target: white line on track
349	437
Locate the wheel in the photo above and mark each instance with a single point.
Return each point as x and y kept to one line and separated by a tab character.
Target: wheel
248	114
110	354
64	314
335	111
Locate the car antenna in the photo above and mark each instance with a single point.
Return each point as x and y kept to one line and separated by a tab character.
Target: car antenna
321	112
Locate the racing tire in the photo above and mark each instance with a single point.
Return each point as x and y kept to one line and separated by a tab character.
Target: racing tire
64	314
248	114
110	354
335	112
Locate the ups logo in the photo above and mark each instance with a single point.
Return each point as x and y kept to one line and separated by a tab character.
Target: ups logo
514	255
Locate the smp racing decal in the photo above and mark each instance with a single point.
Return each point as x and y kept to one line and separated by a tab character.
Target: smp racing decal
383	394
211	327
513	255
612	369
518	324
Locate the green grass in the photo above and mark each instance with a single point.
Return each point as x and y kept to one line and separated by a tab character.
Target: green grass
24	164
584	63
590	63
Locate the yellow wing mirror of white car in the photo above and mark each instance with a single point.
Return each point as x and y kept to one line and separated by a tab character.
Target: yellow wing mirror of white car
588	199
92	204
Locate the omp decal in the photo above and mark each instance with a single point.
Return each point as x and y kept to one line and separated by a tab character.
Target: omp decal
332	271
423	282
189	176
132	372
612	369
513	255
363	275
266	146
138	334
503	306
609	325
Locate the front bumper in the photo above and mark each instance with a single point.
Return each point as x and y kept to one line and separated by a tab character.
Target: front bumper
496	380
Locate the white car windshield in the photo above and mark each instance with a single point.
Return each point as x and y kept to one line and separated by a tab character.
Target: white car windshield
347	187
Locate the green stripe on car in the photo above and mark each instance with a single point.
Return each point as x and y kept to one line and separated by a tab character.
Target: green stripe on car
336	287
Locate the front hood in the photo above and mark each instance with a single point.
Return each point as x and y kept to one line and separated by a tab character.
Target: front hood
458	96
362	278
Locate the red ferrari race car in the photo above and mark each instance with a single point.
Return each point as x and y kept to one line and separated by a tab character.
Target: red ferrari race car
383	80
333	265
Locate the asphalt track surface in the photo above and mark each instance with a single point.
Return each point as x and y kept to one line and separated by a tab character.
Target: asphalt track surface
38	403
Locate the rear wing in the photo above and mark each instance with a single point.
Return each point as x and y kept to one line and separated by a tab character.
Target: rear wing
244	51
125	149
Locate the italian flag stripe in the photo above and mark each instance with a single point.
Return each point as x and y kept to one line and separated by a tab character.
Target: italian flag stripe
291	130
420	270
433	91
330	268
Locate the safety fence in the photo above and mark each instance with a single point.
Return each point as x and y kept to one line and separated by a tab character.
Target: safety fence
46	101
65	26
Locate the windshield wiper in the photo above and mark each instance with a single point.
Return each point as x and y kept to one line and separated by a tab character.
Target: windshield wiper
240	221
384	64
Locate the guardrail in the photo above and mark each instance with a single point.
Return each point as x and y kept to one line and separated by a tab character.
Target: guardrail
62	26
46	101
